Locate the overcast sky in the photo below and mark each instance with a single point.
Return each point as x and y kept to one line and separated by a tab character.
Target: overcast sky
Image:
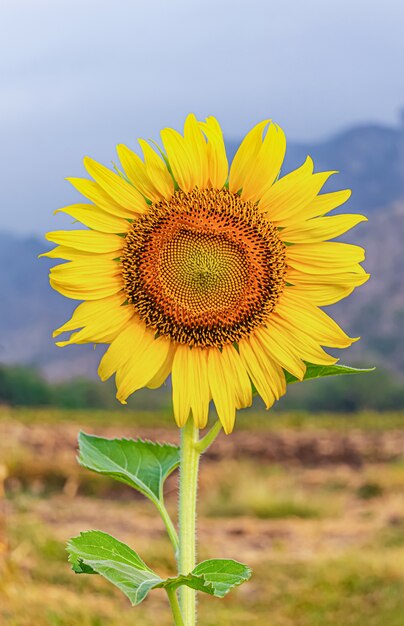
79	77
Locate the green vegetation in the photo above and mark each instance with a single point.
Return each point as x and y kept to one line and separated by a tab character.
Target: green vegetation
378	391
24	386
369	490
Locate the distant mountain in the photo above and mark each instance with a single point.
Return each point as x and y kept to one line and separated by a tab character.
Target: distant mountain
371	162
30	310
376	310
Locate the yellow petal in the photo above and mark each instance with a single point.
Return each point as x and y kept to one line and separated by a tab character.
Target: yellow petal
302	314
87	312
71	254
357	272
95	218
162	374
286	189
266	166
122	348
197	151
87	280
320	228
291	197
188	156
89	270
87	240
324	295
242	385
274	373
324	258
263	371
221	383
217	158
84	292
157	171
307	347
325	290
100	324
179	380
179	159
121	191
104	333
136	171
94	192
142	366
281	349
199	394
245	156
326	202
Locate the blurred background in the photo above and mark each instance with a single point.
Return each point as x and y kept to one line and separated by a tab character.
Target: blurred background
323	527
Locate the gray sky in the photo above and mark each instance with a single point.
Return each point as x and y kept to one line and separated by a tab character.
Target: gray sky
79	77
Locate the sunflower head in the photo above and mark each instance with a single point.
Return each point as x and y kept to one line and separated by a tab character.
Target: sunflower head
203	267
213	276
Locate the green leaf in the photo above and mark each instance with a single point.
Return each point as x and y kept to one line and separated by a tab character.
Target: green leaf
319	371
222	574
190	580
97	552
79	567
143	465
215	576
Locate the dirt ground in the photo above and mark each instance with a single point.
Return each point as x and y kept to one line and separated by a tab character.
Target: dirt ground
317	514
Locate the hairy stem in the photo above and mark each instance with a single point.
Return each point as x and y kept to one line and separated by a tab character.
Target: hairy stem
187	517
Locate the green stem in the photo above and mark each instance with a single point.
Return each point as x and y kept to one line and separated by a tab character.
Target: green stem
175	607
206	441
172	533
187	516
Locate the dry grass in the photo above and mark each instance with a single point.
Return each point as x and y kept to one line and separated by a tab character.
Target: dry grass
326	543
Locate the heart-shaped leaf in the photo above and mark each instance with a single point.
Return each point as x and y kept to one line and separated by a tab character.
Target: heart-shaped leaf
143	465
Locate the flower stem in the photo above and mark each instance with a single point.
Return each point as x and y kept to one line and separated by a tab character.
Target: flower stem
206	441
187	516
175	607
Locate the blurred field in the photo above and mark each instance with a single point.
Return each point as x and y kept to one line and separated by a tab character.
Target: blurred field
315	505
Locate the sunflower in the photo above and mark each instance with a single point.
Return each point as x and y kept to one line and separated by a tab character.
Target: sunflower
213	276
